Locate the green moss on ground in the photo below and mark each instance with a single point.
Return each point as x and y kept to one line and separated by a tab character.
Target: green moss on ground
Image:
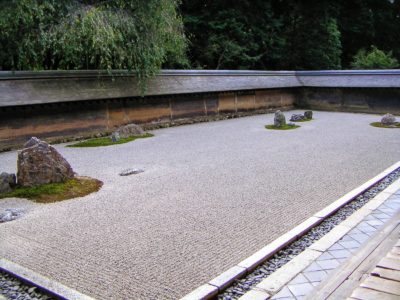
286	127
106	141
380	125
53	192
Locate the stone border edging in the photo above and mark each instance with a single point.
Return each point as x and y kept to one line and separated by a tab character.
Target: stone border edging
52	287
222	281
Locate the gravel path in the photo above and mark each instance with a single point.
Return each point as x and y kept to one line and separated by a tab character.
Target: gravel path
211	195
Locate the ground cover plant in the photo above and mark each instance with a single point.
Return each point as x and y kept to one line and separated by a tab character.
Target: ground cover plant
380	125
106	141
284	127
53	192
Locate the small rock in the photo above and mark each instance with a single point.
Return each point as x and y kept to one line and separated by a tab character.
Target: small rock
115	137
130	172
10	215
130	130
308	114
7	182
388	119
291	124
297	117
279	119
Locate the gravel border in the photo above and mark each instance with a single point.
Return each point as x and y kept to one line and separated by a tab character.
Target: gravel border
13	288
241	286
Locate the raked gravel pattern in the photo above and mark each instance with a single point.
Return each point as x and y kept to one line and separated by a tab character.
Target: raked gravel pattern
211	195
240	287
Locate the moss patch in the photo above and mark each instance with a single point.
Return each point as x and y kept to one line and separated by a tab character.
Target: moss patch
106	141
286	127
53	192
380	125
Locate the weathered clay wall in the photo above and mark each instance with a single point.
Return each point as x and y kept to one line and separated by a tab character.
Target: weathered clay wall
59	121
59	105
366	100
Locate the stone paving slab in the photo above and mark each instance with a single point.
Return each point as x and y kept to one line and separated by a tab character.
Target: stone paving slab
211	195
305	281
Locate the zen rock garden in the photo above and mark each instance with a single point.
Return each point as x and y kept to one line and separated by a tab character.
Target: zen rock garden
200	181
44	175
280	120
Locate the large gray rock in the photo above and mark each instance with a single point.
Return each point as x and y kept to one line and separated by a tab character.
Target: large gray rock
308	114
297	117
388	119
279	119
130	130
7	182
41	164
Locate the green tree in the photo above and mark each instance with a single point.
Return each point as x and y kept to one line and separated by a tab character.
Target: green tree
139	35
374	59
311	42
232	34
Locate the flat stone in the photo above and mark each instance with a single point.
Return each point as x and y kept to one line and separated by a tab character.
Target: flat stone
10	215
226	278
128	172
255	295
203	292
316	276
301	289
282	276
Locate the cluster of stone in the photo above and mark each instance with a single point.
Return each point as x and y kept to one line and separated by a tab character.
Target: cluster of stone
13	288
300	117
388	120
38	163
126	131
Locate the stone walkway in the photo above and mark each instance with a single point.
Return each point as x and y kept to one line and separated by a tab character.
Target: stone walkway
329	274
211	195
342	250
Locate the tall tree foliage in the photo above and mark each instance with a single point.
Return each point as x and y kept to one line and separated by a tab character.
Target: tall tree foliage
139	35
288	34
231	34
311	42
